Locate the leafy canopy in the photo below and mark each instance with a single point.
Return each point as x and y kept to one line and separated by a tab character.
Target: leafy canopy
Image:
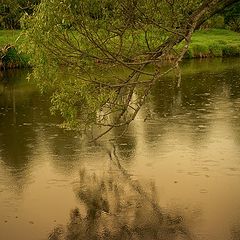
100	59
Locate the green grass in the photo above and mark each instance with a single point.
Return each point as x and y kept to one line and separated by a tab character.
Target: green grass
9	37
215	35
214	43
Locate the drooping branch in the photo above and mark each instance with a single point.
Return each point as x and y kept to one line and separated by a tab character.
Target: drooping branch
95	43
207	9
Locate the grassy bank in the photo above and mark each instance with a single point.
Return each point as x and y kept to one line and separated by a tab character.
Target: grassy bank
214	43
205	43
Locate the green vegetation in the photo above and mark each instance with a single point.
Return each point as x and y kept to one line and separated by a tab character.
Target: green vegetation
9	37
11	12
232	17
204	43
11	56
73	38
214	43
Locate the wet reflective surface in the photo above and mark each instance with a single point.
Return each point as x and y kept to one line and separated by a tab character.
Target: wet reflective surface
186	141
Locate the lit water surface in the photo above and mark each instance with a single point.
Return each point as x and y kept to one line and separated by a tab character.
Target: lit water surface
186	141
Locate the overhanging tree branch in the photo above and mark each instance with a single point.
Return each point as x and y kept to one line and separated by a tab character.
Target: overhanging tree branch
94	43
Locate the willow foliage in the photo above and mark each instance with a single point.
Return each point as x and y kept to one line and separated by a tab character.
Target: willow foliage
100	59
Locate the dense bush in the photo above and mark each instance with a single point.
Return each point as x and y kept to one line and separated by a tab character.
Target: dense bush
11	12
232	17
12	58
216	21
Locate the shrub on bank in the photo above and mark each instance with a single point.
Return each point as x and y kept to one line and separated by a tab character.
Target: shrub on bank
12	58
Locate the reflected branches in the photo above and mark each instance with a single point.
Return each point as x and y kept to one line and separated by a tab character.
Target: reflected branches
116	206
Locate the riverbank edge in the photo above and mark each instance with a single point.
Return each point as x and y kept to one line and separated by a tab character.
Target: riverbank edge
209	43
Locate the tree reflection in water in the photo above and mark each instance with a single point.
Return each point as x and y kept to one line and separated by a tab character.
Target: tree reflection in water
114	206
235	231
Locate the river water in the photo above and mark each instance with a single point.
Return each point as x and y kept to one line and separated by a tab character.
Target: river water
186	141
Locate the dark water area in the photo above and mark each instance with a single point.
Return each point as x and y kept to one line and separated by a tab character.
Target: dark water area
186	141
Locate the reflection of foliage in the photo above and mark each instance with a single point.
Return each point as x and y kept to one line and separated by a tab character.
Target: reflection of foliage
235	231
117	207
236	234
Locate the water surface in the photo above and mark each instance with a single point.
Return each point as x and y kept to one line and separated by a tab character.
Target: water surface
185	140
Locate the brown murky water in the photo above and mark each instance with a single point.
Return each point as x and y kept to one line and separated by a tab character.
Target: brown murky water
187	141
